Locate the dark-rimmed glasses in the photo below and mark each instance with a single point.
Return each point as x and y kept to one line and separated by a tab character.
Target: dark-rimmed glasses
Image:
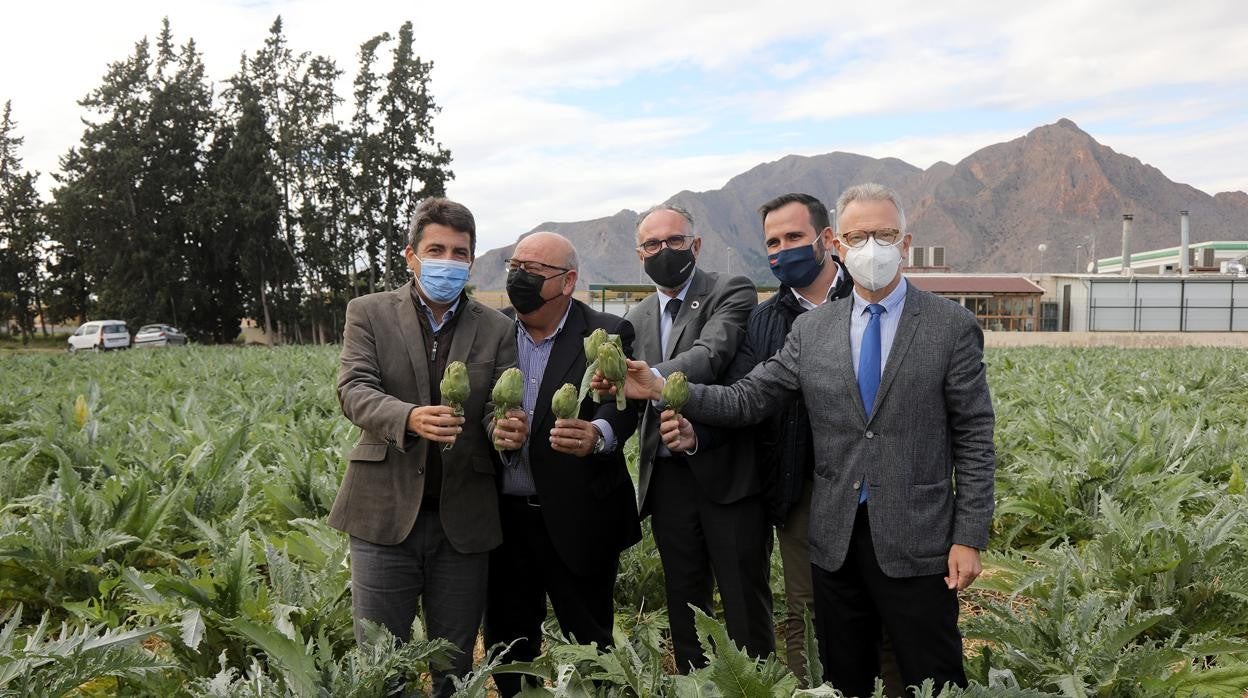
546	271
673	242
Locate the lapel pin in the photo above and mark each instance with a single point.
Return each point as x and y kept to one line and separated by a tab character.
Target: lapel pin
694	305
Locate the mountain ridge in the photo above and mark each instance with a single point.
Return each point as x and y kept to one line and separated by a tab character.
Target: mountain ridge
1055	185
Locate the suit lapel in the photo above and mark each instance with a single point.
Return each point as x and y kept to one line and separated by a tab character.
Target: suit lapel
901	342
647	345
694	298
568	346
843	353
413	336
465	331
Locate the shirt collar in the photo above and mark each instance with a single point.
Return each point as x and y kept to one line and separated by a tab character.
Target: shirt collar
836	282
664	298
562	321
450	312
891	302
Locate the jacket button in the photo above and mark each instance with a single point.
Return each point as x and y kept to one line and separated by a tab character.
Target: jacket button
857	484
420	470
870	434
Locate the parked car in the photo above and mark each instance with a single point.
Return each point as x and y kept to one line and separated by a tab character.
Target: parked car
158	336
100	335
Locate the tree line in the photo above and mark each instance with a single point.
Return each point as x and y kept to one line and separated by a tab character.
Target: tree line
199	204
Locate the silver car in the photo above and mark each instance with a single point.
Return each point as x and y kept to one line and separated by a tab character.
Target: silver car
158	336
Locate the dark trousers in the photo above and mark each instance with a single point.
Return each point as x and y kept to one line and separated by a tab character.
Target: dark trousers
700	541
526	569
920	615
389	584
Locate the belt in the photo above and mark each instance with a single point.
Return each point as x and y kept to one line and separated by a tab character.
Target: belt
529	500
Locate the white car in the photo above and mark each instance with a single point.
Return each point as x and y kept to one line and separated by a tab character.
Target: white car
100	335
158	336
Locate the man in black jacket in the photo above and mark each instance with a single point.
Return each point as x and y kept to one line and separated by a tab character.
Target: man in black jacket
567	503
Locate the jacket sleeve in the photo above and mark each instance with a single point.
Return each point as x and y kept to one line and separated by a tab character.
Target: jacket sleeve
360	393
709	356
761	393
968	405
746	359
624	423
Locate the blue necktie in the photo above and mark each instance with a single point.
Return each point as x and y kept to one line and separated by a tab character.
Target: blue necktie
869	371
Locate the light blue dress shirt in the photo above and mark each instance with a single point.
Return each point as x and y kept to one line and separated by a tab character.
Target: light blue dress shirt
893	304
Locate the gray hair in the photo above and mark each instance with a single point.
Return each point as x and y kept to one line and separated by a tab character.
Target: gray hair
684	213
870	192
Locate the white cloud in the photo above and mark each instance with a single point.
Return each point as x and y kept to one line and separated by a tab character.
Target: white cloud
517	83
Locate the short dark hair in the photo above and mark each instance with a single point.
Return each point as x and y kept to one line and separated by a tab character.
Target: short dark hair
453	215
818	212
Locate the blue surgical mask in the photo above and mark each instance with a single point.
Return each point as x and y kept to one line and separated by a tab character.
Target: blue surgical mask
797	267
442	280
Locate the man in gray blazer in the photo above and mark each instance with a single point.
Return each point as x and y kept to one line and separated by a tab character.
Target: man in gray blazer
900	412
708	515
419	498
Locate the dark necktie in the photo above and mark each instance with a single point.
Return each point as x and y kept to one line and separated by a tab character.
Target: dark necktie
673	307
869	369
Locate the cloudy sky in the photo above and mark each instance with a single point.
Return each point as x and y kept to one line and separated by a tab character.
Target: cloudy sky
567	111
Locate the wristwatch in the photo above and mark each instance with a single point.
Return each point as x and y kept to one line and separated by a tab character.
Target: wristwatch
600	443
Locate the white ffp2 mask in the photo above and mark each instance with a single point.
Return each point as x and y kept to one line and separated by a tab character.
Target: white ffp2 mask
873	266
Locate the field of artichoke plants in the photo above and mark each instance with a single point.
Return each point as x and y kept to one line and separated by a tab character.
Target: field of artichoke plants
162	533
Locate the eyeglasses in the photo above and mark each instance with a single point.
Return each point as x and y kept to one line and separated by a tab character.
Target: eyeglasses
545	271
675	242
886	237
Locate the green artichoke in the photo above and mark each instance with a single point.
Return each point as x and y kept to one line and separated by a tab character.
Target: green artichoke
565	404
611	363
454	386
508	392
593	341
676	392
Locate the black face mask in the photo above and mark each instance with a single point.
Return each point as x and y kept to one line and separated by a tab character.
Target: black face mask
524	290
670	268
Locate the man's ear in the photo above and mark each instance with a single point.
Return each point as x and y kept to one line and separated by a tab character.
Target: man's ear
839	246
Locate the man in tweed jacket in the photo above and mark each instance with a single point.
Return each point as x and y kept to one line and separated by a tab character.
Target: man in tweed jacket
923	451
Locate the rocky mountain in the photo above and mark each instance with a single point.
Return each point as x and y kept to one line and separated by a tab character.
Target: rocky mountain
1056	185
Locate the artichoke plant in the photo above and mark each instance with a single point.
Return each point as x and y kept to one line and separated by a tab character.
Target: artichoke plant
565	404
611	363
676	392
508	392
454	389
454	386
592	343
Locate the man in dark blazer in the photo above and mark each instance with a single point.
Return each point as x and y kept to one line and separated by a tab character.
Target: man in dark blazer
798	241
567	503
422	520
709	518
900	409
